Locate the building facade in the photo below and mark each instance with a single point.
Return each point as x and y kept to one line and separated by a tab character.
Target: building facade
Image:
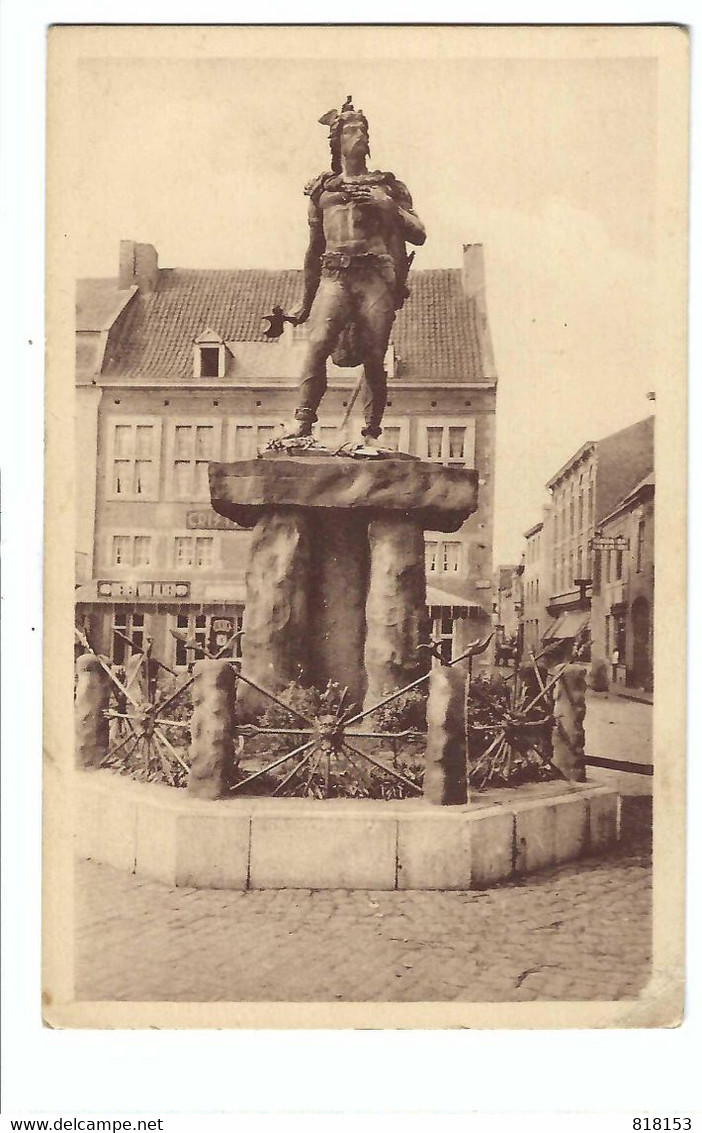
536	581
623	591
508	609
583	493
173	370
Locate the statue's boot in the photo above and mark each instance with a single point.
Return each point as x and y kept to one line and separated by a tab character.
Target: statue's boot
299	430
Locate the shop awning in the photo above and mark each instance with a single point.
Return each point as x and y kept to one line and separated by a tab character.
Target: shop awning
168	592
441	601
567	626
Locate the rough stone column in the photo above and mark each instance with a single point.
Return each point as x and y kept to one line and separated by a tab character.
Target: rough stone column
568	729
397	620
338	583
446	772
93	690
212	729
276	617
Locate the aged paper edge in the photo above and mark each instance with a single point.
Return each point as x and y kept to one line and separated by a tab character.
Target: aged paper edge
661	1004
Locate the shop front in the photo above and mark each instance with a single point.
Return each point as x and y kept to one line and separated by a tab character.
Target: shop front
184	620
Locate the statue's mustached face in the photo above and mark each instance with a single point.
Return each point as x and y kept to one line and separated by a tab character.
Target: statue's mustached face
353	138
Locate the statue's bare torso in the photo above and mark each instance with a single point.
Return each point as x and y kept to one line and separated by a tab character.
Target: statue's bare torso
354	225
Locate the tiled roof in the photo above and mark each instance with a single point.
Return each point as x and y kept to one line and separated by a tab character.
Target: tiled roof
436	334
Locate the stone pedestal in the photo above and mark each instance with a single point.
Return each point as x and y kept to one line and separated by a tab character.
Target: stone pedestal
338	573
335	584
277	606
397	620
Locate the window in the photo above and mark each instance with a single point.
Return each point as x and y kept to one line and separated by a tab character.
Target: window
191	643
451	558
195	551
200	634
442	632
209	361
620	637
142	550
640	539
121	550
442	556
192	446
244	442
395	434
131	550
581	509
133	456
247	437
620	565
435	440
448	441
203	551
126	624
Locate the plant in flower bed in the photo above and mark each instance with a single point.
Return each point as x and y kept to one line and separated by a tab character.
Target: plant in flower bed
509	737
336	767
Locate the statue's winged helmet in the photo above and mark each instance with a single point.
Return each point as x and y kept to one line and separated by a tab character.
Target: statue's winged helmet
335	120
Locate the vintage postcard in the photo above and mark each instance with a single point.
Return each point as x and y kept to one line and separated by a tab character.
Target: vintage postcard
365	526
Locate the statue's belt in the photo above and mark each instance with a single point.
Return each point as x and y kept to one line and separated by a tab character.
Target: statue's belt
341	261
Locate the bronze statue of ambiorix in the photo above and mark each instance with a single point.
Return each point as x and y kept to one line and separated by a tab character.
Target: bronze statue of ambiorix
355	271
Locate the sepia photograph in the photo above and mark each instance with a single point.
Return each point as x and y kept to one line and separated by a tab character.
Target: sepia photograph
365	567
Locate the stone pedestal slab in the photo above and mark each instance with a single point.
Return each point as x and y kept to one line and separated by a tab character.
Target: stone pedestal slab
437	497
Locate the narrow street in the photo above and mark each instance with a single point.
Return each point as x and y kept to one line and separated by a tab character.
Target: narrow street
580	931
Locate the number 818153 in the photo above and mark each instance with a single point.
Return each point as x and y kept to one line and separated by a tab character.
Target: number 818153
661	1123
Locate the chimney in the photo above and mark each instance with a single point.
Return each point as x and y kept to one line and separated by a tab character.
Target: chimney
138	264
473	276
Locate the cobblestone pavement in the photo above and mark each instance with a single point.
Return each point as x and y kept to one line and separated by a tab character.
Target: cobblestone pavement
575	932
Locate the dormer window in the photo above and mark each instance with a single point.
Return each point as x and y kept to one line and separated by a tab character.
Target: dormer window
210	355
209	361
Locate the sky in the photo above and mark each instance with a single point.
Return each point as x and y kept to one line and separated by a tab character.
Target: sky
549	163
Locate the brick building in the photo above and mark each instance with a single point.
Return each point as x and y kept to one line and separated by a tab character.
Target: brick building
173	371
